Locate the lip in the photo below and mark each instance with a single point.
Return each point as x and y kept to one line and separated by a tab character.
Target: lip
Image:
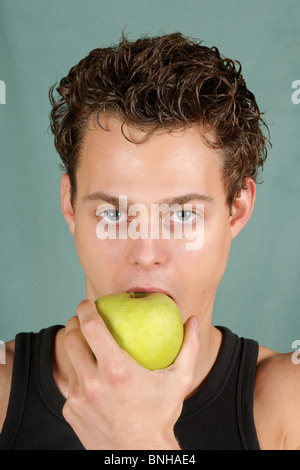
150	289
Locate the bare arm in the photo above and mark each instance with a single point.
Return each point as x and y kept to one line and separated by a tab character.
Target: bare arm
277	403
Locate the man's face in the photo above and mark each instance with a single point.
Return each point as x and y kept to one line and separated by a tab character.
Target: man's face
165	167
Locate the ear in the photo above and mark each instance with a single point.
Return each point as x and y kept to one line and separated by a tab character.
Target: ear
242	208
65	201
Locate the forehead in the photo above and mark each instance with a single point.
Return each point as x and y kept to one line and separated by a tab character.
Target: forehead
161	166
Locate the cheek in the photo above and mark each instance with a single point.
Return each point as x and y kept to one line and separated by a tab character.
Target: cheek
216	252
83	235
99	258
202	270
89	248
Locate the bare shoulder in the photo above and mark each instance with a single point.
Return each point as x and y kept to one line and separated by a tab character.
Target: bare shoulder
276	400
5	379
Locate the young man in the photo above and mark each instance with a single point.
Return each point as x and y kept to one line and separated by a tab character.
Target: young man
159	121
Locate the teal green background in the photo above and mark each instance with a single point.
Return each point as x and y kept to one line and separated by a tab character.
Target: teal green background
41	280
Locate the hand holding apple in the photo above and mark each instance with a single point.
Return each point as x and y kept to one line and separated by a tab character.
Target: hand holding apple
147	325
115	403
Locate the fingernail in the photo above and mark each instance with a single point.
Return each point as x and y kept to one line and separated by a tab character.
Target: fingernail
196	324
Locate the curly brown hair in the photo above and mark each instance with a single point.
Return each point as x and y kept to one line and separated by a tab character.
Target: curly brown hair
166	82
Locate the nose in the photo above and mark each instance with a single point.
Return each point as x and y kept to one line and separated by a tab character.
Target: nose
147	253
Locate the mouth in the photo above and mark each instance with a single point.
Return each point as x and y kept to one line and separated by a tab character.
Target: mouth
150	289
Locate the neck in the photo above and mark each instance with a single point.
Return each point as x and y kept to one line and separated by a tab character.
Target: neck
211	340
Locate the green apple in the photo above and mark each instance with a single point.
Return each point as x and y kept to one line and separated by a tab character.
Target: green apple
148	325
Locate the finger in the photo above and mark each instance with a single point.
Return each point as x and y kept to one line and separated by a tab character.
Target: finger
95	331
186	360
74	384
78	351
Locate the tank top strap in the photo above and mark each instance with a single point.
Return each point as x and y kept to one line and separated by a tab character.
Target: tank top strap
219	415
32	385
245	393
19	382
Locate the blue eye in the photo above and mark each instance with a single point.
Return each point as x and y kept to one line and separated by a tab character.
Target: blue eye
113	216
183	216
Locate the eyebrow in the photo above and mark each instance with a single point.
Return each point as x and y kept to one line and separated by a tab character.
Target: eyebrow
183	199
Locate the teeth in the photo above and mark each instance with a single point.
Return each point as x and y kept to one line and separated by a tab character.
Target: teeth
146	292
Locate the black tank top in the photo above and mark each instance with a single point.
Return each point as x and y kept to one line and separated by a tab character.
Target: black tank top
219	416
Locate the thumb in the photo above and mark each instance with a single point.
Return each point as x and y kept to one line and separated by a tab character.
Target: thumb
188	356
